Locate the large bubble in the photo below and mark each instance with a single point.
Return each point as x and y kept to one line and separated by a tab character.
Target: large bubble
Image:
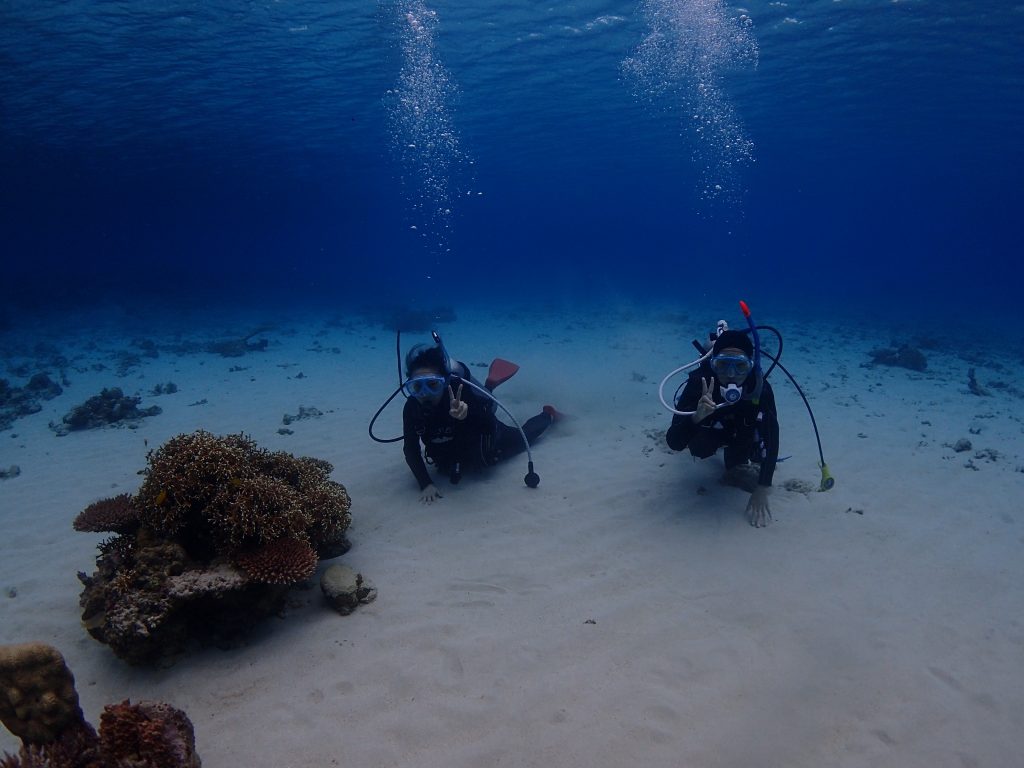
681	64
423	134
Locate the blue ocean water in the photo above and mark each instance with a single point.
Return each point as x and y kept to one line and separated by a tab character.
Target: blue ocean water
818	152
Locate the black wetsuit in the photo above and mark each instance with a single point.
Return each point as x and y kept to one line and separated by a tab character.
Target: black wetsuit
747	431
452	445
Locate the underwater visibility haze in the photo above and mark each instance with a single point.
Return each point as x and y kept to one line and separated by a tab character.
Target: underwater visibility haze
817	151
225	224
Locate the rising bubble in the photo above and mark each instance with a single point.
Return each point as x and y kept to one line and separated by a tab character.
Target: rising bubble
423	134
680	64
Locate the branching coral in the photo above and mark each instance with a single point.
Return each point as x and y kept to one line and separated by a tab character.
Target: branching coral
285	561
116	514
228	494
322	501
189	474
208	502
259	509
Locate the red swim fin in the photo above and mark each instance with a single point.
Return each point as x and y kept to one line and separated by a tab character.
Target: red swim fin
500	372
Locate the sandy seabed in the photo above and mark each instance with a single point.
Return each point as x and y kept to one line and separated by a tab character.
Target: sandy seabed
623	613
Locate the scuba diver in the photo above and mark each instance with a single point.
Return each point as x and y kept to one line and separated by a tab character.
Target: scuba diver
719	395
728	403
455	418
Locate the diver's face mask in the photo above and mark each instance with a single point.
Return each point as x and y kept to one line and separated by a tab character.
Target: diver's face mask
426	387
731	370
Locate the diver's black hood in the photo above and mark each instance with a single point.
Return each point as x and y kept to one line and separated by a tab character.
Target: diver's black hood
425	356
735	339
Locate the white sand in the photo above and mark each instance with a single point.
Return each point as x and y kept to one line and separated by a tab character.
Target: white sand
624	613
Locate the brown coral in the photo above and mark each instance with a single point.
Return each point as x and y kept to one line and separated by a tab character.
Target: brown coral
148	735
214	500
37	692
39	704
189	473
285	561
75	747
260	509
224	494
116	515
327	504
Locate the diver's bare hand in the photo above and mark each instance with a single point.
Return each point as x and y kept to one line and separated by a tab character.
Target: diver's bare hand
458	409
758	511
430	494
706	405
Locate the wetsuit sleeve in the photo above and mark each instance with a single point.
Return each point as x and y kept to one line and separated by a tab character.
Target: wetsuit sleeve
479	417
479	421
683	428
413	454
769	429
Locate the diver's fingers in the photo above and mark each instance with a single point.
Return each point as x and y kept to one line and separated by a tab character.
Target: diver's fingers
451	394
458	395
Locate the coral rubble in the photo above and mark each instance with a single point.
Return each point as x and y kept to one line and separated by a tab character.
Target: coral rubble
211	542
110	406
39	705
238	347
304	413
16	402
904	356
345	589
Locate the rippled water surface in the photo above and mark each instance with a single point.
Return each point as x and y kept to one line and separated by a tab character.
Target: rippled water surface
783	147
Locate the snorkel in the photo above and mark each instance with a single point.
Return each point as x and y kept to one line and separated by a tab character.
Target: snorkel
758	375
444	354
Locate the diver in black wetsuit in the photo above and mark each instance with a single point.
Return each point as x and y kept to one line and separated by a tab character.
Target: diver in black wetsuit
721	394
456	423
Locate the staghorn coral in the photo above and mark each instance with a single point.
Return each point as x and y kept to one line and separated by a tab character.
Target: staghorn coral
260	509
39	689
116	515
224	494
120	549
188	474
224	528
327	530
285	561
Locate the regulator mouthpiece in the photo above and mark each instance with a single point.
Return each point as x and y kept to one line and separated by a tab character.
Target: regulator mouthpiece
731	393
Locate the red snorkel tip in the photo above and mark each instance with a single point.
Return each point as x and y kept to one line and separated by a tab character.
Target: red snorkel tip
745	309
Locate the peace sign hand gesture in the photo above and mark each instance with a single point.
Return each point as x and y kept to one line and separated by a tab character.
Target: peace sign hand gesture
458	408
706	406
